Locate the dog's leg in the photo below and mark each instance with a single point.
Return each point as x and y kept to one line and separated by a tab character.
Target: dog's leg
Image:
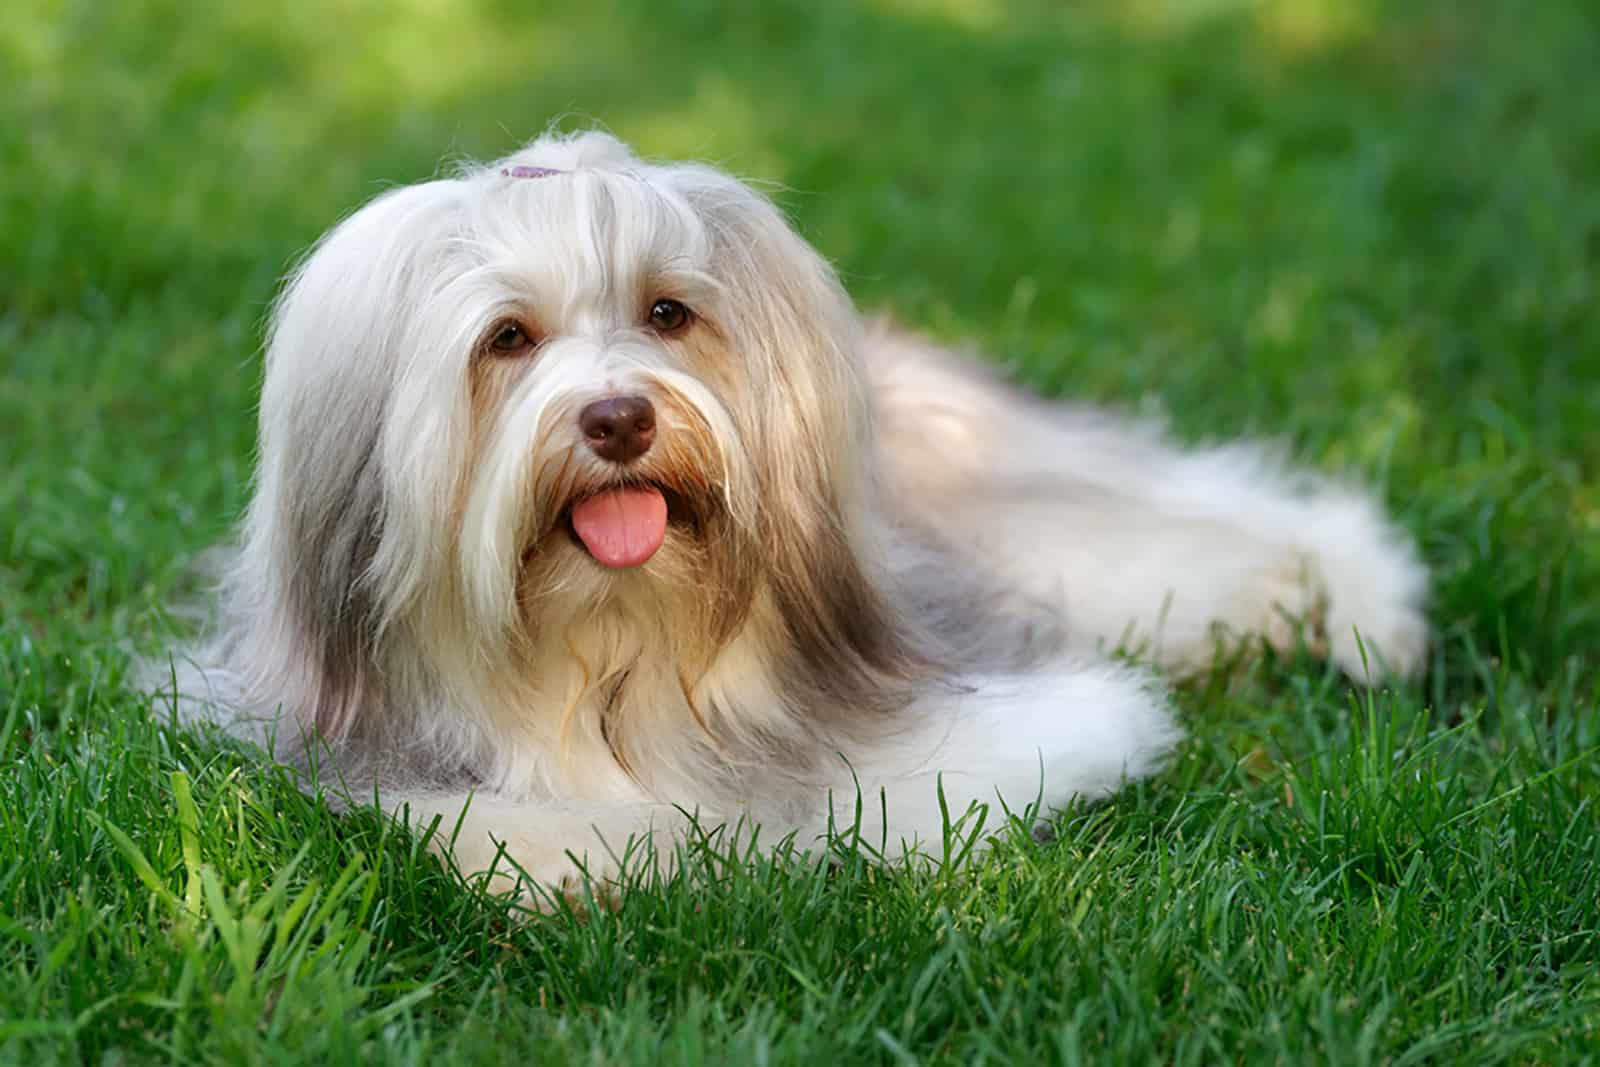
1199	549
1222	543
1075	729
1005	741
1143	543
543	848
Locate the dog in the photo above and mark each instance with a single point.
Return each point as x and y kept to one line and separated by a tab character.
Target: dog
589	509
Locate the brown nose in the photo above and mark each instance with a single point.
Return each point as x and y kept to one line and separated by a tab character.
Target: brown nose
619	428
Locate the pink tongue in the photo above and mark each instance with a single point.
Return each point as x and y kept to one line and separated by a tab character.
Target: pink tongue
621	527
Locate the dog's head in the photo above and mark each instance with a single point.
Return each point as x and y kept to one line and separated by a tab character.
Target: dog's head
568	383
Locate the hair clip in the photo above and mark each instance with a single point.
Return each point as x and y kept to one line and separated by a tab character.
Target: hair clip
529	172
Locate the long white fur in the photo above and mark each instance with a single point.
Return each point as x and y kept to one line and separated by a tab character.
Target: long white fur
398	608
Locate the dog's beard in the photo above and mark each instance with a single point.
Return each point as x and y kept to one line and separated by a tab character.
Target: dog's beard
689	597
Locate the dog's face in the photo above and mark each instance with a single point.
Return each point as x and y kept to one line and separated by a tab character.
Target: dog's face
608	456
567	384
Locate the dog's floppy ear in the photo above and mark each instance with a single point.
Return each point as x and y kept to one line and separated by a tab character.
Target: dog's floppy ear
798	336
336	352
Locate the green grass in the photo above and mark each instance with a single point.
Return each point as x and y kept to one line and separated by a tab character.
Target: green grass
1371	229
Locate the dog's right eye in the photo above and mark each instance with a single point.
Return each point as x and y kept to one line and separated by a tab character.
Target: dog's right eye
509	338
669	316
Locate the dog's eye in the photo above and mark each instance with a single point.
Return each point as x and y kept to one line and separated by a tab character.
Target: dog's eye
509	338
669	316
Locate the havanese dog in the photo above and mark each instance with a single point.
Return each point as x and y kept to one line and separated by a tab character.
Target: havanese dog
589	509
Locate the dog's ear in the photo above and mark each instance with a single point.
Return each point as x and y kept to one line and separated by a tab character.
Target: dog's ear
337	359
806	417
798	336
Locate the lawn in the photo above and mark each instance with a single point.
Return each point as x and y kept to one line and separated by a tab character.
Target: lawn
1369	229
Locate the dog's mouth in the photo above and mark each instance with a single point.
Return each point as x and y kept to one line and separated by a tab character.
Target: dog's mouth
623	526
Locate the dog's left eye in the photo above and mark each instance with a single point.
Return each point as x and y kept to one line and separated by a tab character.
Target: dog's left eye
509	338
669	316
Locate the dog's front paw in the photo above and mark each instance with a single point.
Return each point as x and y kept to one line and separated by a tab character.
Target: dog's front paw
545	855
540	871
